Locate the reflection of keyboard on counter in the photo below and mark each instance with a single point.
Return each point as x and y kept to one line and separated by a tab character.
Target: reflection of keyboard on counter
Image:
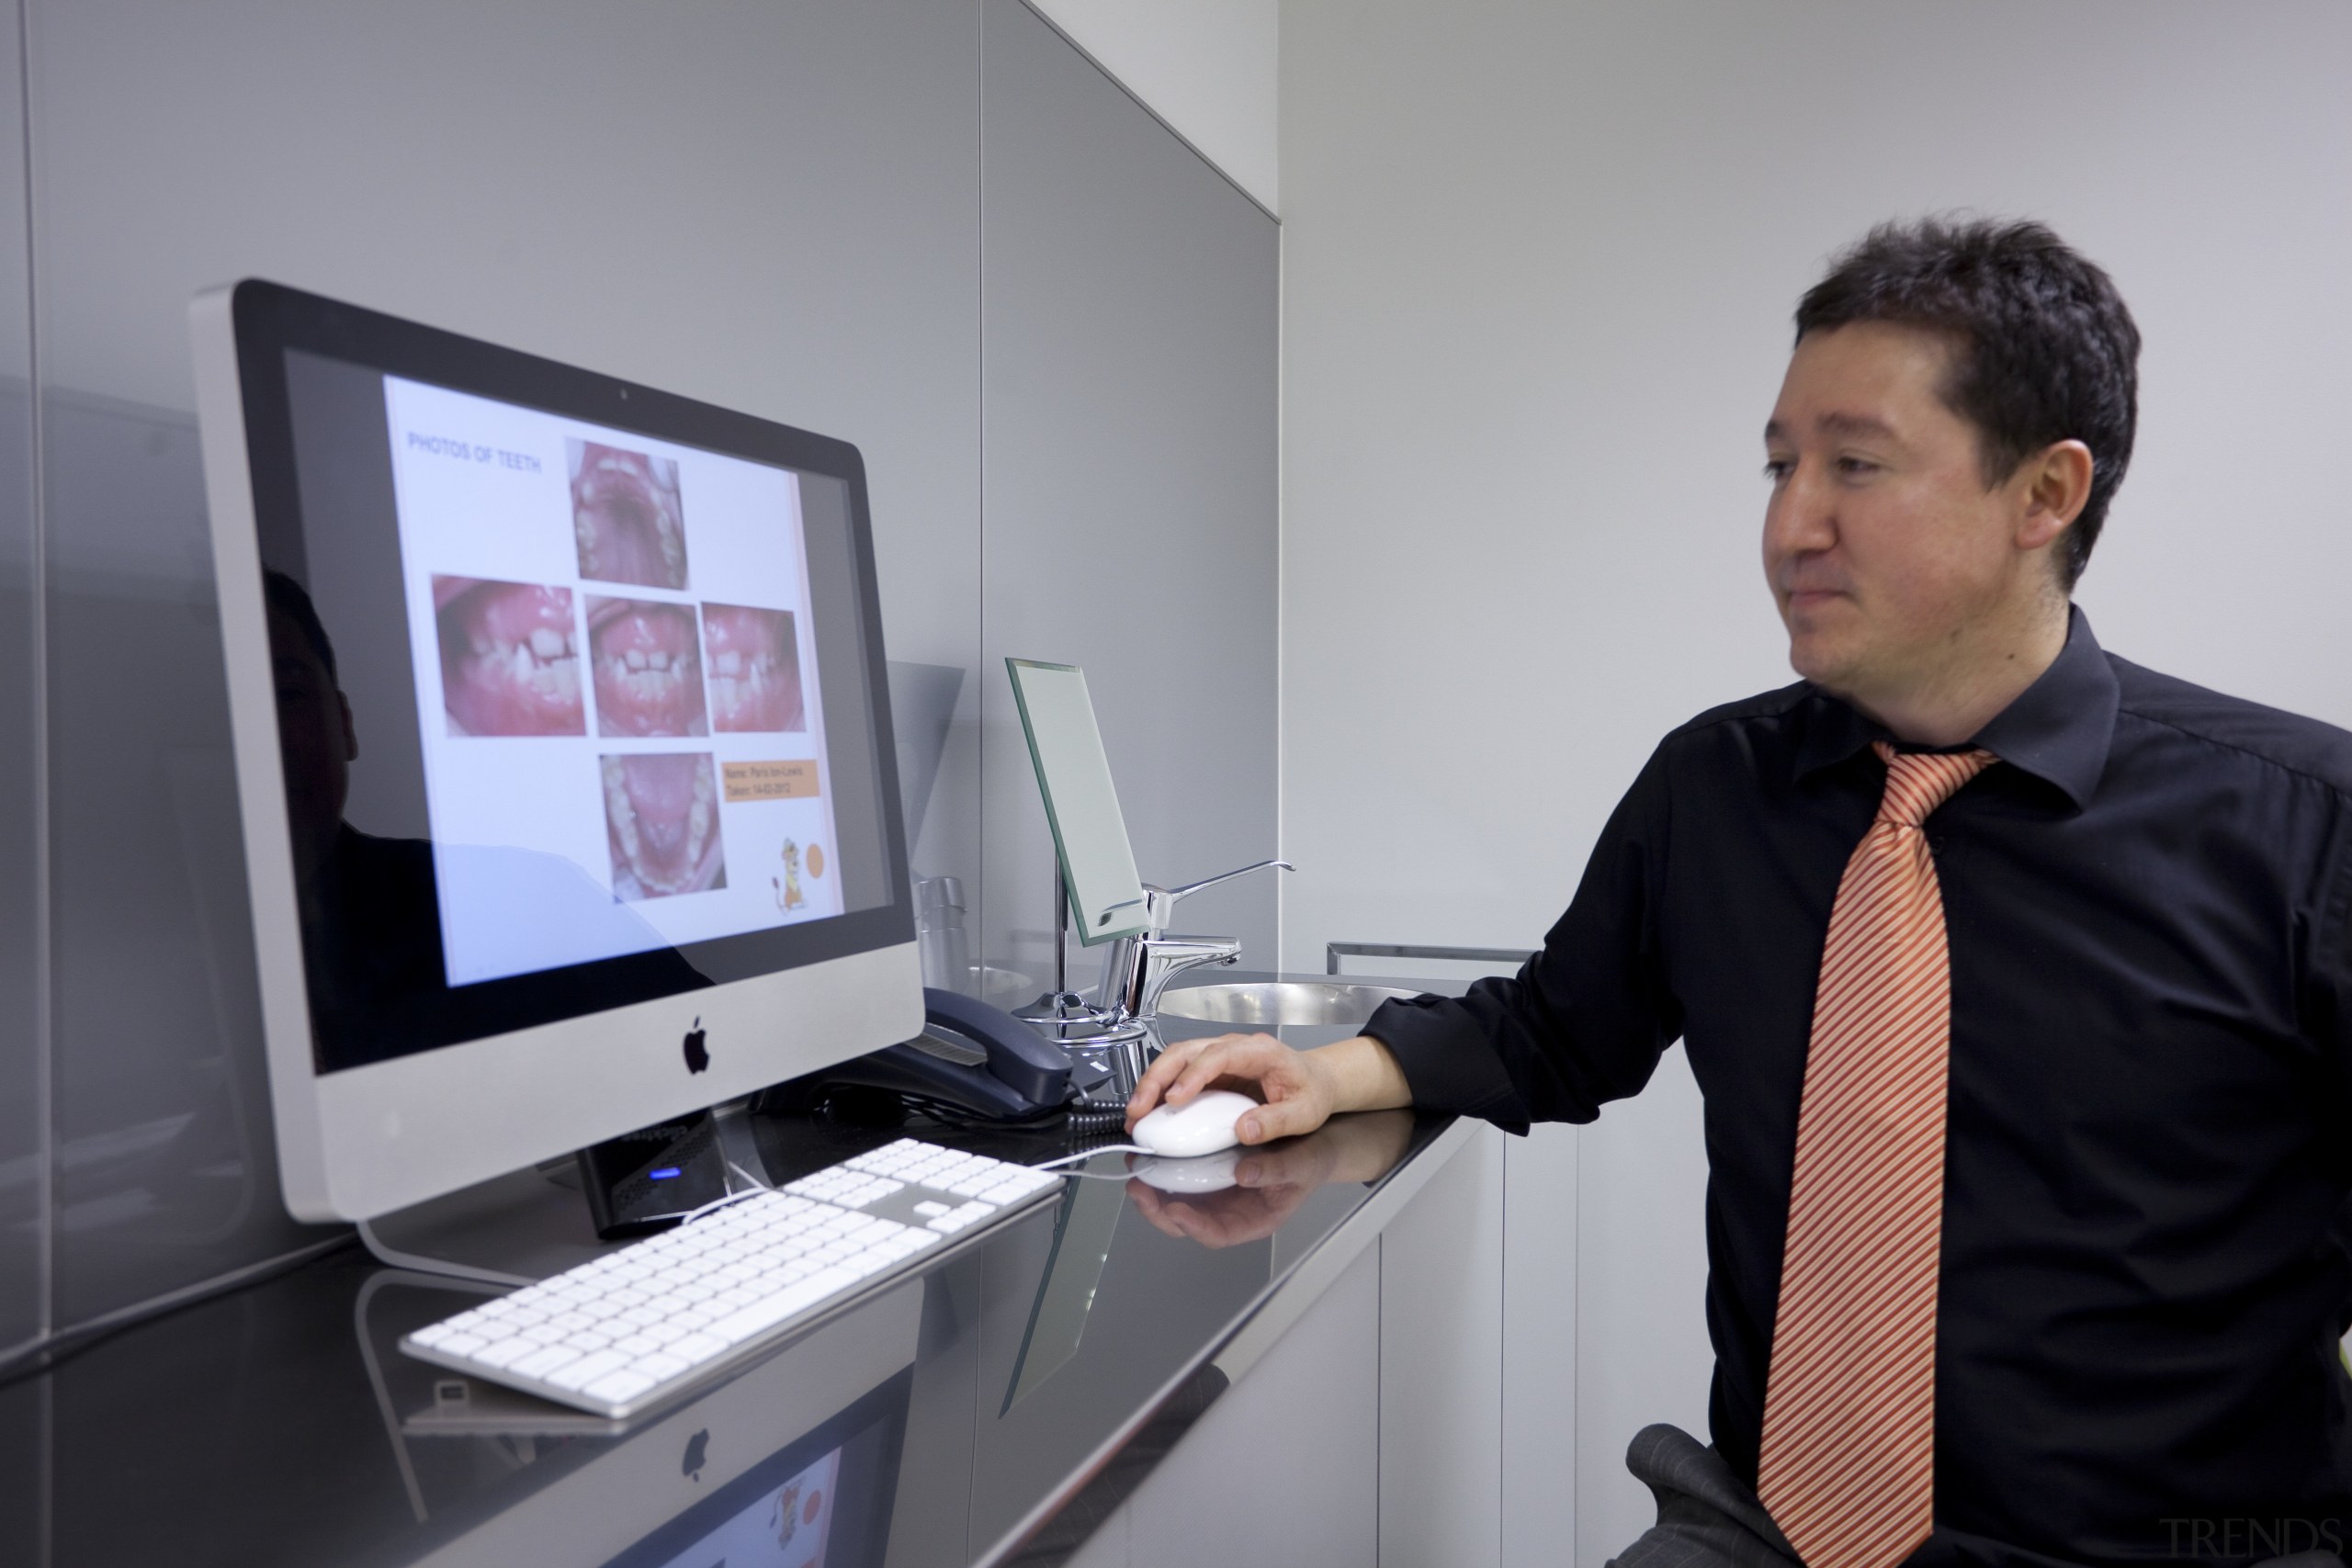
618	1334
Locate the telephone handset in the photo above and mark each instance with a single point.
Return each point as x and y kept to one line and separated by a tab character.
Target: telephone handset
971	1059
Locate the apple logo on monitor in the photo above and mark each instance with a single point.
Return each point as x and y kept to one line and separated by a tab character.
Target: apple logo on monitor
697	1055
696	1445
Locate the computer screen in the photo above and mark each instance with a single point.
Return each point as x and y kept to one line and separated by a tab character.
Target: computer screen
562	720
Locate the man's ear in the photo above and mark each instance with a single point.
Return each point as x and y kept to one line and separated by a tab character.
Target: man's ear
2057	481
350	730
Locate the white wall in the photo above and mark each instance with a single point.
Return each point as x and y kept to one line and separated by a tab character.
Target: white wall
1205	66
1539	265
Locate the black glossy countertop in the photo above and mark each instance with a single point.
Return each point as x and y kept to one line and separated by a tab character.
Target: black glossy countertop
991	1407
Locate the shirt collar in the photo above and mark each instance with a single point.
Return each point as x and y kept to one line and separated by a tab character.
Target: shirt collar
2058	729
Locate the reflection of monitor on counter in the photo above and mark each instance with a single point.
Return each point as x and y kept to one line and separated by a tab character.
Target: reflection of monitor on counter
563	747
795	1464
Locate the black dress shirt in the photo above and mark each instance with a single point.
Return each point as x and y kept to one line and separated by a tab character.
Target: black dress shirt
2147	1251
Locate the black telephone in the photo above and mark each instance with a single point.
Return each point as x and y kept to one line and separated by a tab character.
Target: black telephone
972	1061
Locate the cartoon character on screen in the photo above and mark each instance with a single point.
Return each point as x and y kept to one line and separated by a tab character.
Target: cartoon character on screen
786	1520
787	891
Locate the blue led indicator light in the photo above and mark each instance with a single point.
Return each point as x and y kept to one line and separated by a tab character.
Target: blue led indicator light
665	1174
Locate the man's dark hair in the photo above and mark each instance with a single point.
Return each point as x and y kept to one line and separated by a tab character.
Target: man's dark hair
290	599
2044	349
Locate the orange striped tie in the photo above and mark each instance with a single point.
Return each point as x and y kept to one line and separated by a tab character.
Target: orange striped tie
1848	1466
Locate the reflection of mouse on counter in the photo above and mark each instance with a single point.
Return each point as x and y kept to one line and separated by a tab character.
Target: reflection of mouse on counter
1204	1173
1202	1126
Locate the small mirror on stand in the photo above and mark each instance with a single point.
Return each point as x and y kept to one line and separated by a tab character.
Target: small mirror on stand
1096	887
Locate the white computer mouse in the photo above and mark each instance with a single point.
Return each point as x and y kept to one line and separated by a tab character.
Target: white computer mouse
1207	1173
1201	1126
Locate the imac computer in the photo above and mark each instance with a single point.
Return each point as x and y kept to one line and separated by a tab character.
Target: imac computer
563	748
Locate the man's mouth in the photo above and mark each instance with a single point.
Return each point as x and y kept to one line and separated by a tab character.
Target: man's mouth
755	669
510	661
627	517
649	673
662	817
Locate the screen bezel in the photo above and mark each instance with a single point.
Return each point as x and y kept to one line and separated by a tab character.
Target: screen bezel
362	1140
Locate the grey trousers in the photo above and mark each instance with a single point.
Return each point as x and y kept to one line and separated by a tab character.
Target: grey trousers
1705	1517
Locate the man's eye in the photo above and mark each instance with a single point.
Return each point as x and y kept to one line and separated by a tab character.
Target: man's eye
1777	468
1856	466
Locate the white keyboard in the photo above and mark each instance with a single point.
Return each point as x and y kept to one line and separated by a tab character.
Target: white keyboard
622	1332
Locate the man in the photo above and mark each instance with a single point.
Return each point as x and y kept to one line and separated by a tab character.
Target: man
2017	980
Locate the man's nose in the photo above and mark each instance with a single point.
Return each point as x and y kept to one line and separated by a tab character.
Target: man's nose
1803	516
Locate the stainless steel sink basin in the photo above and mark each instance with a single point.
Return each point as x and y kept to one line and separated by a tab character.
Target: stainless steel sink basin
1272	1004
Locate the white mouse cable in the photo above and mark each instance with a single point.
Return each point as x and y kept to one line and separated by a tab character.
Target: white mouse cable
1090	1153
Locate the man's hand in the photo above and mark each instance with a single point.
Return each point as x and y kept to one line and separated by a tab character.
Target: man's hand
1301	1089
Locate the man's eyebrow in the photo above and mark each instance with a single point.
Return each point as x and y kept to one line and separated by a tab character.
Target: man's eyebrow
1844	424
1855	425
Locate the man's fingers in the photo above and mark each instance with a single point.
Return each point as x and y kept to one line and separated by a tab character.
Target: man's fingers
1199	1073
1153	1087
1227	1053
1278	1119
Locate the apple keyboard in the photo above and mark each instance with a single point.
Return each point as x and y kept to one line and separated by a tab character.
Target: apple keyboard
622	1332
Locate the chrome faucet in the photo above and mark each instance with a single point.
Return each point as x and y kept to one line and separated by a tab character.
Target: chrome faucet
1137	969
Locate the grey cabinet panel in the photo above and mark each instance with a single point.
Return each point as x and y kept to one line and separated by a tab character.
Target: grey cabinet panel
24	1220
1442	1367
770	207
1291	1454
1129	481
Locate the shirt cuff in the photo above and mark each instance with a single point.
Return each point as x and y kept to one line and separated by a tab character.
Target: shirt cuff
1446	1061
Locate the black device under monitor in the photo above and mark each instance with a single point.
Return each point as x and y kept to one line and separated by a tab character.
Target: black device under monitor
651	1178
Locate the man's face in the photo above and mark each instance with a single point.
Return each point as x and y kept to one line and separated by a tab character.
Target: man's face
1882	544
316	738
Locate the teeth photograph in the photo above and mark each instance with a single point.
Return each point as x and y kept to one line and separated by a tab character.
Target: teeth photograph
510	658
627	516
648	670
662	816
755	669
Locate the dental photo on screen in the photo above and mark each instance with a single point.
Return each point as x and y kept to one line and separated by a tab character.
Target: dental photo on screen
648	667
627	516
754	669
509	657
607	769
661	822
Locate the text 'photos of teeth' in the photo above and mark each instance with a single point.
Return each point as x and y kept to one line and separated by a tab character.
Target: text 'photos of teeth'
663	667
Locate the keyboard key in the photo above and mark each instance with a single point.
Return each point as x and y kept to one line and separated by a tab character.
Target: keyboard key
543	1361
618	1387
660	1367
587	1370
695	1348
504	1353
